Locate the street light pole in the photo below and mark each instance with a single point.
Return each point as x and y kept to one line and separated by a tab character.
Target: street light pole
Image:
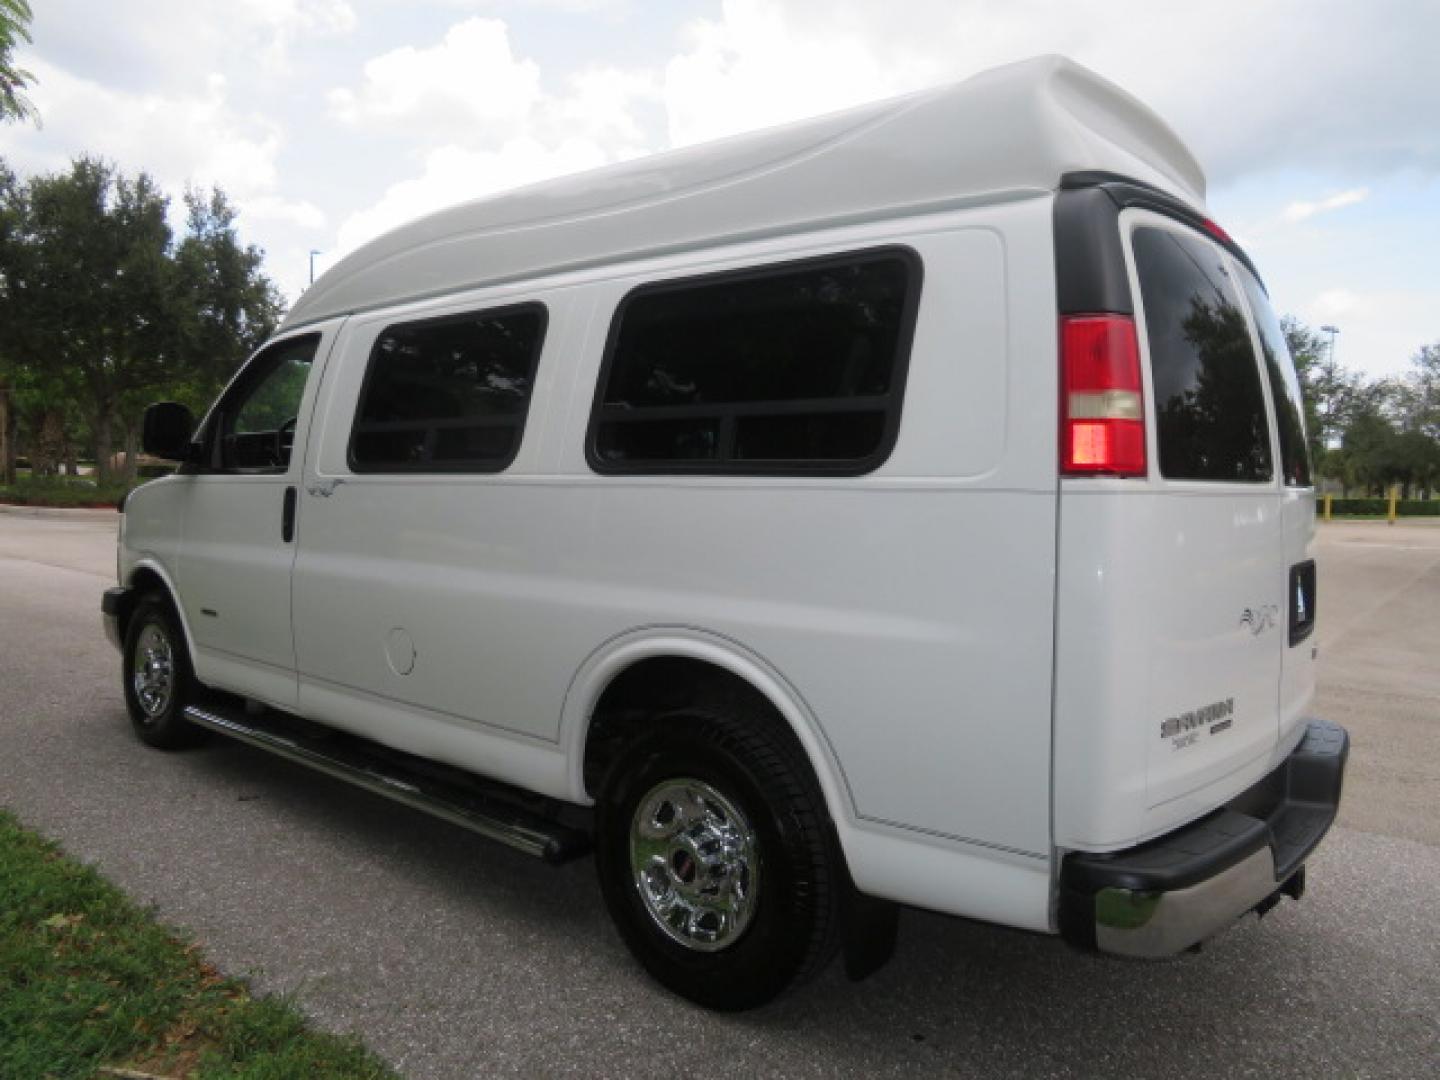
1331	330
1328	434
313	253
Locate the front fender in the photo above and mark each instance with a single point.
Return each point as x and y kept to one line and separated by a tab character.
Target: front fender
146	567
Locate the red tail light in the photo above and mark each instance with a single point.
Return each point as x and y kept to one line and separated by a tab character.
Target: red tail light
1216	231
1102	408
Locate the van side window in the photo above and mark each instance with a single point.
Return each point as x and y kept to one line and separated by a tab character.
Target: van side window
1284	385
1209	405
794	368
256	418
448	394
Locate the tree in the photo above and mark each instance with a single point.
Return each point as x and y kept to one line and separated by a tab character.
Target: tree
11	199
1384	442
1367	451
1314	367
1424	390
91	301
228	306
1336	398
1415	407
101	312
15	17
1415	462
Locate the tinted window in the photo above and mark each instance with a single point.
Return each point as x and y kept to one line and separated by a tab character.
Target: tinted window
448	395
795	368
1284	385
257	417
1209	404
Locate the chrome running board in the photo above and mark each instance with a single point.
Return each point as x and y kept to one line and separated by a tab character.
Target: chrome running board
472	804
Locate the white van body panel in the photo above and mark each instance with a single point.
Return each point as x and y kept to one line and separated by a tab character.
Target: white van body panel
531	570
149	537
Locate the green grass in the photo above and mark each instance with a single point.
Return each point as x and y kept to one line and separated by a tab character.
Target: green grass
63	491
88	979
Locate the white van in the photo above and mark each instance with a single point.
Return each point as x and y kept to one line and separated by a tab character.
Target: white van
908	506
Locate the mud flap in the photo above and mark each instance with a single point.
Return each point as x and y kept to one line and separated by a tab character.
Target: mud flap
871	927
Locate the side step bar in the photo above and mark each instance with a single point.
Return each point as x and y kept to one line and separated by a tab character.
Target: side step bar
367	765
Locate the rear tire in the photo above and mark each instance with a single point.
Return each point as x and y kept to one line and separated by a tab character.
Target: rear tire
717	859
158	678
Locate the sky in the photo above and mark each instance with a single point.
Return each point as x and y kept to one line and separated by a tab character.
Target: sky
329	121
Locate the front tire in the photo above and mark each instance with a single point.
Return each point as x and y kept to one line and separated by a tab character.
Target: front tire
158	679
716	858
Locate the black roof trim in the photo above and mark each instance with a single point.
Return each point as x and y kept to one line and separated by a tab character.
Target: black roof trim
1126	192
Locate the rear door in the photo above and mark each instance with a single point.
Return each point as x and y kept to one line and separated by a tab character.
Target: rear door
1297	507
1216	609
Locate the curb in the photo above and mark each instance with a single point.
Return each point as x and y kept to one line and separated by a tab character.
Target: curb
1424	520
62	513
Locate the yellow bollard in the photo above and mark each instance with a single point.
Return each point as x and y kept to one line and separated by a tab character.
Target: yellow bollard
1394	501
1328	500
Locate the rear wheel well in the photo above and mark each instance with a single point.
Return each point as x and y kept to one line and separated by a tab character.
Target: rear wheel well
647	689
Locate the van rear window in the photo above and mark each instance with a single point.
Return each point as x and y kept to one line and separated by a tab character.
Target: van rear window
448	394
794	368
1209	404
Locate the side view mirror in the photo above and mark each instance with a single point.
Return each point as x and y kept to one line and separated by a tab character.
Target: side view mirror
166	431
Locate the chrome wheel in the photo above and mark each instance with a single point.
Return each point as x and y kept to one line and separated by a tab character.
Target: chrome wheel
153	671
696	863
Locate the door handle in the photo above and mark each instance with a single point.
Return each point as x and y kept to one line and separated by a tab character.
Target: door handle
287	518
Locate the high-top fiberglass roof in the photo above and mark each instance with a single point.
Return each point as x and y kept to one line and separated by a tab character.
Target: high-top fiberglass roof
1009	133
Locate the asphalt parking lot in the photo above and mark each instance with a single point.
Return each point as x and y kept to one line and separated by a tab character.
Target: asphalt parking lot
454	958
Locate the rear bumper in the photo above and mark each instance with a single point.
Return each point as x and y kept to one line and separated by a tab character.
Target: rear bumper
1167	895
113	606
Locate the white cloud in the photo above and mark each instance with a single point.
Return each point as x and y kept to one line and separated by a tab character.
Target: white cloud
764	63
279	24
329	17
472	96
1299	211
195	139
1332	95
488	122
1335	304
299	213
170	46
1332	86
602	105
569	7
1380	329
471	80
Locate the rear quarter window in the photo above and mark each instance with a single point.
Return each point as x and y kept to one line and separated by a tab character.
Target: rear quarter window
788	369
1209	405
1284	385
